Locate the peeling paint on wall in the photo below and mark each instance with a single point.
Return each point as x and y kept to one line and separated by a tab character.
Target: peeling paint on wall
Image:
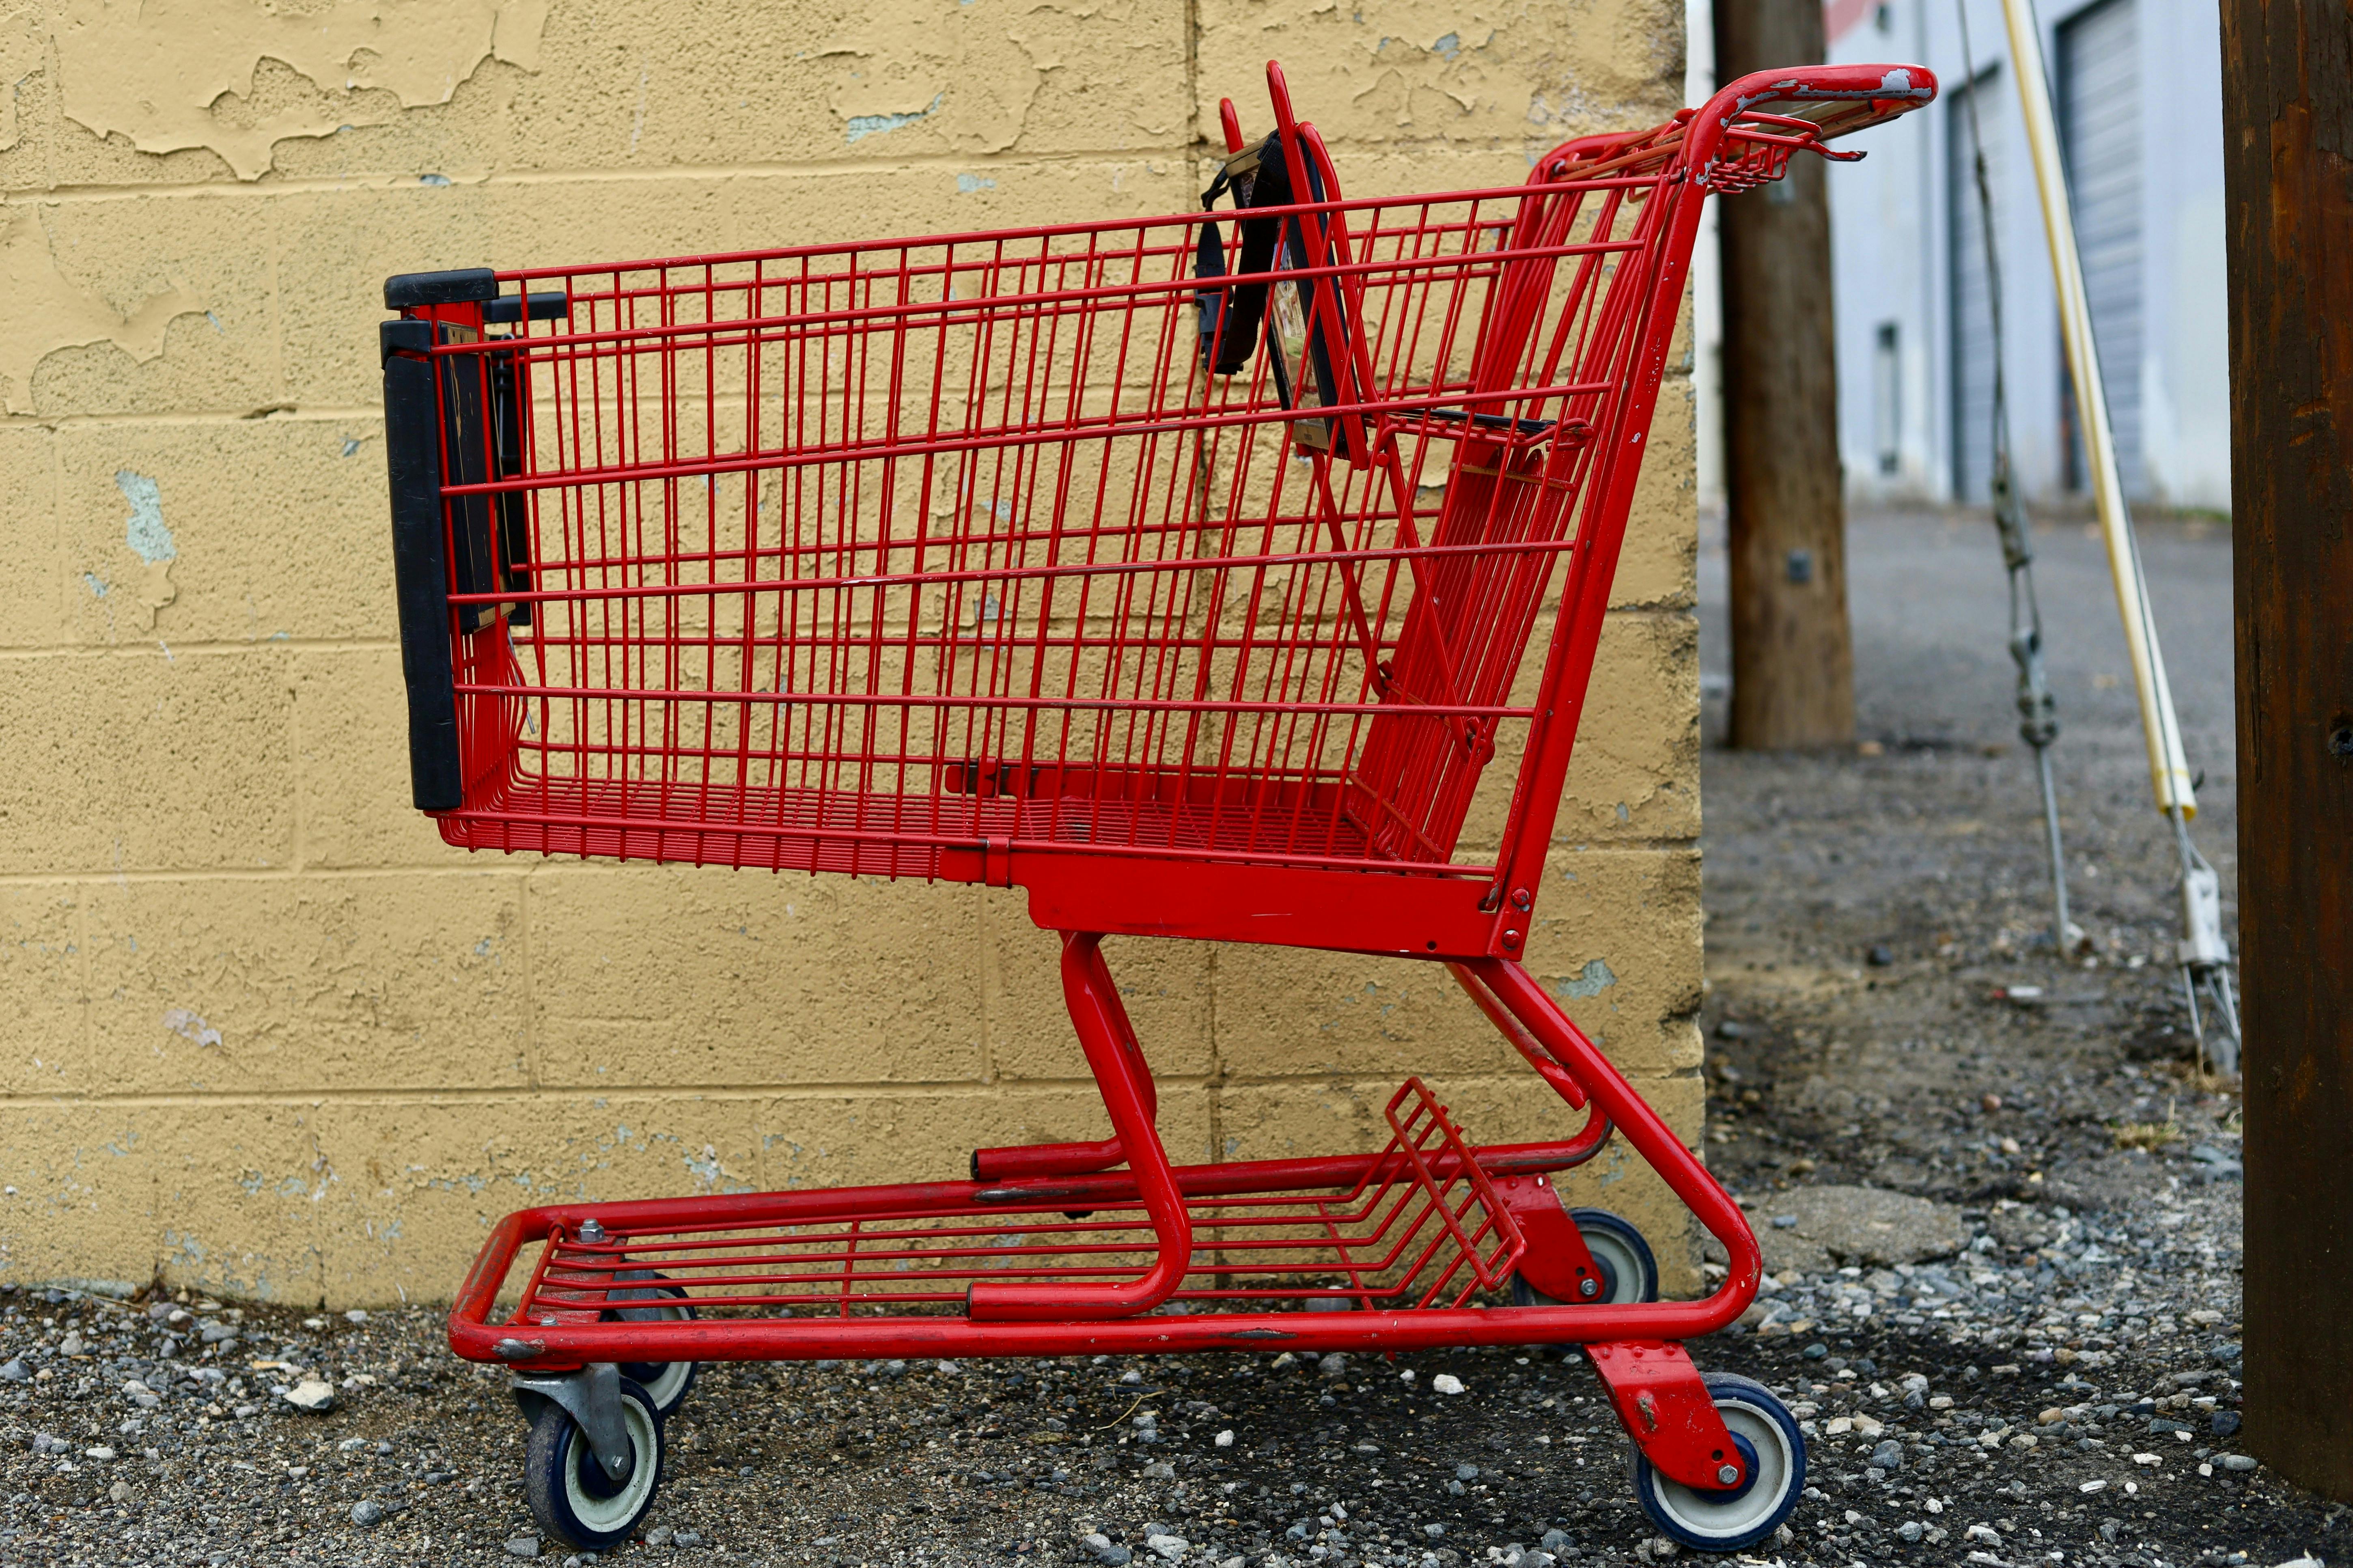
147	537
861	126
22	52
190	1027
174	74
901	64
48	310
1591	981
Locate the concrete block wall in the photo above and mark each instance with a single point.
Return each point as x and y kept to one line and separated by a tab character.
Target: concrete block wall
263	1033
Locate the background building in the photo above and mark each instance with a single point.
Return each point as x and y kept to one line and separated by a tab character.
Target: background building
2137	90
267	1034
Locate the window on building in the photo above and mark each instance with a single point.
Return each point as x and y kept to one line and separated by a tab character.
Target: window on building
1887	398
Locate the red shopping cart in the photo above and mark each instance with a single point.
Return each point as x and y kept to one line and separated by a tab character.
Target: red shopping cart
1179	570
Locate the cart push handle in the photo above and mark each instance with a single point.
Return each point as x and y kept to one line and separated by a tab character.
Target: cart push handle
453	419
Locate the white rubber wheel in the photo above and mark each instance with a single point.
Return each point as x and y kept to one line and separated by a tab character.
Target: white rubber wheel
1775	1453
1628	1271
667	1383
570	1495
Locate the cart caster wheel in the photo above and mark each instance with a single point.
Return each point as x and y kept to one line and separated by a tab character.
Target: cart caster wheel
1628	1272
571	1496
1774	1452
665	1382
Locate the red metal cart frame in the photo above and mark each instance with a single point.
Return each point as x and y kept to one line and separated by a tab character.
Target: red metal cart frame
1177	571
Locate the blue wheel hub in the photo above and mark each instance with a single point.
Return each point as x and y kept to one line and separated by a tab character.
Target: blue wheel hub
1750	1469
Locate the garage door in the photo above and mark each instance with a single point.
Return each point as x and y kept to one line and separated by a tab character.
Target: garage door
2099	105
1972	315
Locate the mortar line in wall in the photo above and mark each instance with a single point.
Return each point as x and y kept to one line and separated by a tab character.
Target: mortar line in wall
501	866
275	414
944	163
1655	610
60	555
607	1095
530	990
203	649
1216	1081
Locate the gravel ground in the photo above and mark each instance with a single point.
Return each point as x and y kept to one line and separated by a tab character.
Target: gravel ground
2003	1238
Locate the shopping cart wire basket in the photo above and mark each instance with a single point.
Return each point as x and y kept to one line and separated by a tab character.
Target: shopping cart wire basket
1184	572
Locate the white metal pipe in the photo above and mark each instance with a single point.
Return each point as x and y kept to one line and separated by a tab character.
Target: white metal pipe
2168	768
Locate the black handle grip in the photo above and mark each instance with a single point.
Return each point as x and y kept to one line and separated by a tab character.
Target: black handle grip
421	579
547	307
466	286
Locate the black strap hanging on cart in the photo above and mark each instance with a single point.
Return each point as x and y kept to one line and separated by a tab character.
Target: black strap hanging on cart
1233	316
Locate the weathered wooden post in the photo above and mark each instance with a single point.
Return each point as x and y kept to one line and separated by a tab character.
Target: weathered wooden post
2287	116
1792	656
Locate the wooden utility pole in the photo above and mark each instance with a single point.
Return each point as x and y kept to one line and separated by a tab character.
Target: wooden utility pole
1792	658
2287	127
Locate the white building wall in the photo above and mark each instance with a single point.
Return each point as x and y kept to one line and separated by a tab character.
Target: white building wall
1892	259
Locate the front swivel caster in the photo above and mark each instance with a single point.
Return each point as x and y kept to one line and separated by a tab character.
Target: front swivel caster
593	1460
1744	1516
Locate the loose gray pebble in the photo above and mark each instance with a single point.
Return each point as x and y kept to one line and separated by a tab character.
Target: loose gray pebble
1466	1472
687	1537
1888	1455
16	1371
2236	1462
1909	1530
1107	1550
2225	1424
367	1511
659	1535
523	1546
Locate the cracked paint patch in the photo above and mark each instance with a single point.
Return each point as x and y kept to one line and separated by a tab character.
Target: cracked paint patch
190	1027
145	531
969	184
861	126
148	537
1591	981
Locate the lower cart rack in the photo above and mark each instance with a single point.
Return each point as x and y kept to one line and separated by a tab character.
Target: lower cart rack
1418	1226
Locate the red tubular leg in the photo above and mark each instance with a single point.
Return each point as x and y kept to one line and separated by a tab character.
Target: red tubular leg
1616	1098
1553	1073
1078	1159
1117	1062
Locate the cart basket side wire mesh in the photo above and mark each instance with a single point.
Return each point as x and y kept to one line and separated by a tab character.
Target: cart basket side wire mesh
834	557
858	557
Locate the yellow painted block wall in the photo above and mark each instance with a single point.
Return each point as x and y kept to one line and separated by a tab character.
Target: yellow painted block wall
264	1033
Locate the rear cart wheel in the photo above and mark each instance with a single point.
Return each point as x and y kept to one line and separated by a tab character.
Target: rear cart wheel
667	1383
1774	1452
571	1496
1628	1272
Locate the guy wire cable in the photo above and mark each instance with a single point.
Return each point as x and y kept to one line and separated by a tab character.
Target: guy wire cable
2203	956
2038	710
